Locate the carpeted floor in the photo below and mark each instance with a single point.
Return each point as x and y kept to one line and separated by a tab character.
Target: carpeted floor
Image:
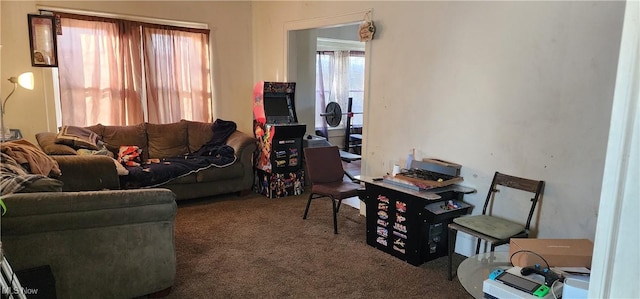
255	247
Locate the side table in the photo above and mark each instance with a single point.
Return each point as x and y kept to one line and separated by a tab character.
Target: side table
475	269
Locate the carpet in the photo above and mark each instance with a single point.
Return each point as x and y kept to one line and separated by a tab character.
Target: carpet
255	247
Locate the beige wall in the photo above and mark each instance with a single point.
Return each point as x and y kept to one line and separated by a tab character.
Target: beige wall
230	24
523	88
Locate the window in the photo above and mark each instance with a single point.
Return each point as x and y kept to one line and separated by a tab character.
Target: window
121	72
339	76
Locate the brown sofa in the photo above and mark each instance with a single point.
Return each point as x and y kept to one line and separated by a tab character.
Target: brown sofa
157	141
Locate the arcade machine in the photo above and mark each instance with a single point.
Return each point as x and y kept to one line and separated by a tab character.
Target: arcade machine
278	163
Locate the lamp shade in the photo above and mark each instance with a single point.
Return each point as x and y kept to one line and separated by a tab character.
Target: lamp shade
26	80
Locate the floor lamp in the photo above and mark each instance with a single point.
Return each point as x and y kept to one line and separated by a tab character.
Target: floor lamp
26	81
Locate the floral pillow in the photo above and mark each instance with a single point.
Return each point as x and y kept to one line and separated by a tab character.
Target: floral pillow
130	155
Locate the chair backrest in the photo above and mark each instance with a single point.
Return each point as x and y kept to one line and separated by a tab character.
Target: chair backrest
323	164
533	186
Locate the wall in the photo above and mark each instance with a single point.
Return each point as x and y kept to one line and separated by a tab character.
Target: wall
523	88
230	24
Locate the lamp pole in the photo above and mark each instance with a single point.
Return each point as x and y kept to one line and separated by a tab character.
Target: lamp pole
25	80
13	80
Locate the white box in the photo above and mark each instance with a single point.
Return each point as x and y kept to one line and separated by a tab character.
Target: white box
576	288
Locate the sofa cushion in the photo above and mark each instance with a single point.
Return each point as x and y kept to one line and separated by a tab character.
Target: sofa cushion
224	173
167	140
185	179
98	129
198	134
77	137
117	136
47	142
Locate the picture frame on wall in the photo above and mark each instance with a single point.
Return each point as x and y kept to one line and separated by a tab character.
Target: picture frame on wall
42	40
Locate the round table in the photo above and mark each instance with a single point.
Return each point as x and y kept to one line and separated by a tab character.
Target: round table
475	269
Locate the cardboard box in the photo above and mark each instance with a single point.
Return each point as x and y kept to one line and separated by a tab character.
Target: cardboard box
557	252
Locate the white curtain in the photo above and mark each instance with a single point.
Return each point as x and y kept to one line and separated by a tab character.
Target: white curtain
324	78
340	86
332	84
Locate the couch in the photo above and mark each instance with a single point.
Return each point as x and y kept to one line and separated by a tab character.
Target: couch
98	244
156	141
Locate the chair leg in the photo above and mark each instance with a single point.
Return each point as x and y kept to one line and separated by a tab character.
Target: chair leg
450	249
339	204
335	215
306	210
478	246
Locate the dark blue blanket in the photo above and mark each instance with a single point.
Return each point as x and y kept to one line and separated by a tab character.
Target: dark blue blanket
155	174
214	153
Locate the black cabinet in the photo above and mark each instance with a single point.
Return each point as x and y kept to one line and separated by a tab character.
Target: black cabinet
410	225
278	162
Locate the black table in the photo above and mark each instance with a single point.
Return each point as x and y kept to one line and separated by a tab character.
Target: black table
408	224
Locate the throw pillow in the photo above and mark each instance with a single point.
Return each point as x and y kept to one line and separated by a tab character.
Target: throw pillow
47	142
77	137
130	155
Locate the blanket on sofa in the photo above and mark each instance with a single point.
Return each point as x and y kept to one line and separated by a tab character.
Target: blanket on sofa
29	155
14	178
159	172
214	153
222	130
162	171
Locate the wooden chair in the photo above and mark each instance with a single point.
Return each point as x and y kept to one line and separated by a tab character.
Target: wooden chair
325	172
494	229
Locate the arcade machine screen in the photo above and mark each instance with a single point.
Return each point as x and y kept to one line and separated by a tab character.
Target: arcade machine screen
277	110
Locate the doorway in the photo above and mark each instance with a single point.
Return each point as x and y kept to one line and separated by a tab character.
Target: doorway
301	46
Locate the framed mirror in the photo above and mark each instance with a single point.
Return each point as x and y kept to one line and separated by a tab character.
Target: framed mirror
42	40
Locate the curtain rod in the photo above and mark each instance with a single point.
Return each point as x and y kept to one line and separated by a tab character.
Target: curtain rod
159	21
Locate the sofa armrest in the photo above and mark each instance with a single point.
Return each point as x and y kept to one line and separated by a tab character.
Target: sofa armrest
87	173
244	146
40	212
